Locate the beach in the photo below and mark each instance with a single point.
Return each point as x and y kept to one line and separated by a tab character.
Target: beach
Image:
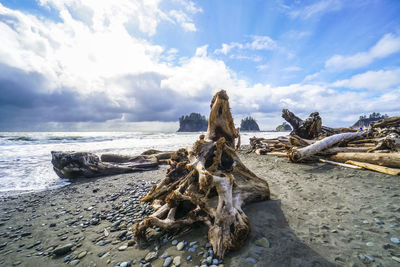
318	215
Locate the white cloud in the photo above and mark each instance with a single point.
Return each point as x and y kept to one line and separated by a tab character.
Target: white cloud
373	80
244	57
201	51
315	9
110	75
146	14
311	76
387	45
183	20
257	43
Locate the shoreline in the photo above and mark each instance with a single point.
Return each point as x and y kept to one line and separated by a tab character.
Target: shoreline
319	215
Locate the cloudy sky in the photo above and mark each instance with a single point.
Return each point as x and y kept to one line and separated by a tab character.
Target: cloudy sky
140	64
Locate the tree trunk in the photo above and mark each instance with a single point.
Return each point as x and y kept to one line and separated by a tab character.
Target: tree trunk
207	183
311	127
375	167
382	159
297	155
84	164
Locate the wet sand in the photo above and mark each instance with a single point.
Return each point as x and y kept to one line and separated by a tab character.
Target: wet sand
319	215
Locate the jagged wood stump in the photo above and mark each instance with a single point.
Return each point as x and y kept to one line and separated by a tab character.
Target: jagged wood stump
207	183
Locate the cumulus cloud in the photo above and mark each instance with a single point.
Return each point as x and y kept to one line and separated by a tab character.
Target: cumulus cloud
386	46
372	80
87	68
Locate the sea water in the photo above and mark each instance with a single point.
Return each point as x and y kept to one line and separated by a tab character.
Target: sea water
25	158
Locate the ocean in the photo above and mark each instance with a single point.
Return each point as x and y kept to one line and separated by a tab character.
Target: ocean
25	159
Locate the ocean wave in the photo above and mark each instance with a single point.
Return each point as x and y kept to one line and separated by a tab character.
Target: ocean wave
60	138
21	138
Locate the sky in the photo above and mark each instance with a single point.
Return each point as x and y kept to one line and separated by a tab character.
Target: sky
121	65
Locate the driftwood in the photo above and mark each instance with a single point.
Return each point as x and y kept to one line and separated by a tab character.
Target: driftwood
378	144
375	167
297	155
311	127
382	159
84	164
340	164
207	183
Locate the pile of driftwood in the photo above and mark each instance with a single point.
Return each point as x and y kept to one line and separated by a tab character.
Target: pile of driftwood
375	148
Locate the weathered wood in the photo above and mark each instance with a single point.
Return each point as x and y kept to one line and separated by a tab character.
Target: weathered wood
300	154
382	159
83	164
309	128
340	164
207	183
388	122
375	167
334	150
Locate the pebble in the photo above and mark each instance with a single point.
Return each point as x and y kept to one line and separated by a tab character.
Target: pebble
189	258
215	261
250	259
122	248
370	244
164	255
378	221
75	262
67	258
180	245
62	250
263	242
167	262
151	256
395	240
174	242
82	254
177	261
125	264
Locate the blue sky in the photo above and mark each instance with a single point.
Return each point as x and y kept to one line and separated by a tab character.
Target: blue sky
128	65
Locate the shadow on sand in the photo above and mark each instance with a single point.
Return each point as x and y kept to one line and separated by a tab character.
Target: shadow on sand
285	249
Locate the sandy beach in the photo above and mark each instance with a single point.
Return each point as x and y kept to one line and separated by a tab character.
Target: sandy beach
319	215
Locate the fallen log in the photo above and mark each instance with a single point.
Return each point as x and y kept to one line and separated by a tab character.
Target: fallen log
335	150
207	183
375	167
297	155
340	164
382	159
84	164
388	122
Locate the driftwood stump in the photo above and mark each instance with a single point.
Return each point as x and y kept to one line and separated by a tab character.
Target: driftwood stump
207	183
311	127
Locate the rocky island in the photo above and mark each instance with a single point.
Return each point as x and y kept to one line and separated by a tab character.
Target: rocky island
194	122
365	121
249	124
284	127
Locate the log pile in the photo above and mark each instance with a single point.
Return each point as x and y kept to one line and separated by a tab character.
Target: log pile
207	183
376	148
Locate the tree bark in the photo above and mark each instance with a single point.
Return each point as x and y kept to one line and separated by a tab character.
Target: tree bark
207	183
375	167
382	159
297	155
84	164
